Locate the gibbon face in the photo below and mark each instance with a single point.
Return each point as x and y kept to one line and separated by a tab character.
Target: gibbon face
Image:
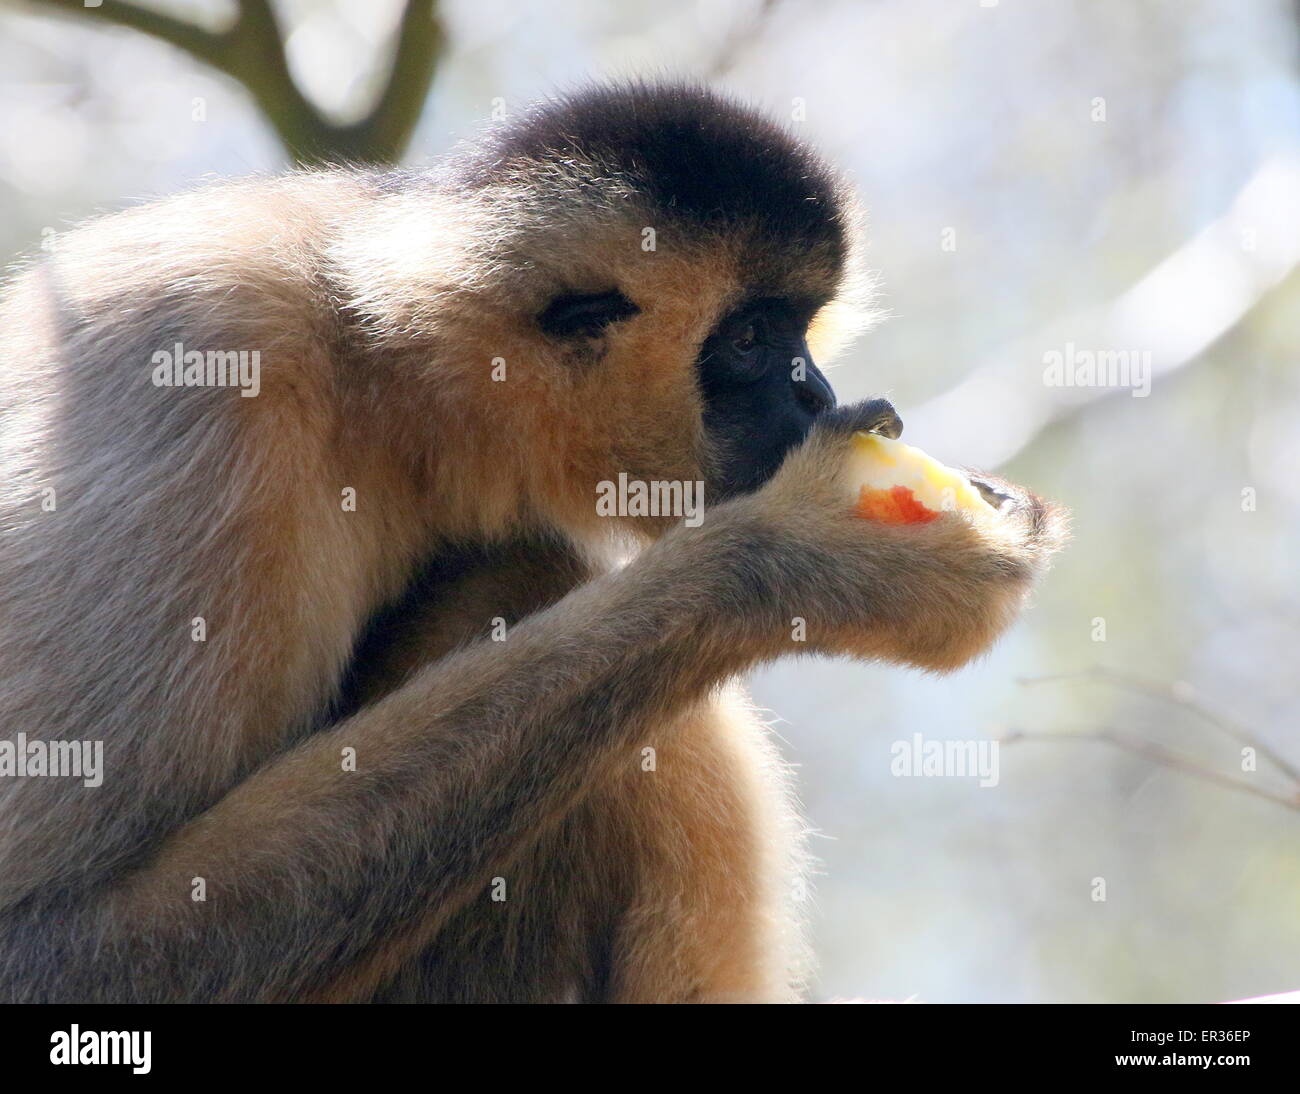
659	258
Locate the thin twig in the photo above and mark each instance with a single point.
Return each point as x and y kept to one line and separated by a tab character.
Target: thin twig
1160	755
741	38
1179	694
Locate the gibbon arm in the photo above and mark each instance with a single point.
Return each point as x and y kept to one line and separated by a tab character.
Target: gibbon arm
309	867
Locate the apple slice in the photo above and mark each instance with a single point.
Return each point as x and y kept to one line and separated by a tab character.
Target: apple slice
894	483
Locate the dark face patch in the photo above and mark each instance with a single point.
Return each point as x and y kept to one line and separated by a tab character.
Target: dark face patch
761	392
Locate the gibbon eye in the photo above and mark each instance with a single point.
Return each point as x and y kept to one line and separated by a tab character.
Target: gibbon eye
747	340
585	314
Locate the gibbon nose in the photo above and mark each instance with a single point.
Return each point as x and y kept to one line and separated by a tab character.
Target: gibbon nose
813	393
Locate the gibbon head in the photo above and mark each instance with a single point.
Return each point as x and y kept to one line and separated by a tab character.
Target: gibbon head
658	270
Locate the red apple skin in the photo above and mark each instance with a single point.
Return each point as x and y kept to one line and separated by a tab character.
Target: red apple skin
894	505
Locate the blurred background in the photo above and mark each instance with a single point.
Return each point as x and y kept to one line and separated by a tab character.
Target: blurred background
1047	181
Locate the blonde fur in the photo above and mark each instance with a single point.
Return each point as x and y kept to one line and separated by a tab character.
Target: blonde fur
379	308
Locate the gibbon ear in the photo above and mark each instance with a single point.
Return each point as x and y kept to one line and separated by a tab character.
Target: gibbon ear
585	314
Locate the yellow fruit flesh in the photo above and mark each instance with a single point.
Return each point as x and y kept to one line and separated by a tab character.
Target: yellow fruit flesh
898	484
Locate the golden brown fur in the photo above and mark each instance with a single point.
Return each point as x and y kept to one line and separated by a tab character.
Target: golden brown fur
379	308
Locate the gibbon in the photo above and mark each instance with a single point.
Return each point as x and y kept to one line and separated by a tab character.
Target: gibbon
385	713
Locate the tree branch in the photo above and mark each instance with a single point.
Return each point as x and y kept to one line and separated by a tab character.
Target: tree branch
207	46
251	51
420	41
1173	314
257	59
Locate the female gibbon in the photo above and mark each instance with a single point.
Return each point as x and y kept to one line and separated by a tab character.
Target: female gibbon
379	719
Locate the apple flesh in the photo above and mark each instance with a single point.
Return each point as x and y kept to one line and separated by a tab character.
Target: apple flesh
894	483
